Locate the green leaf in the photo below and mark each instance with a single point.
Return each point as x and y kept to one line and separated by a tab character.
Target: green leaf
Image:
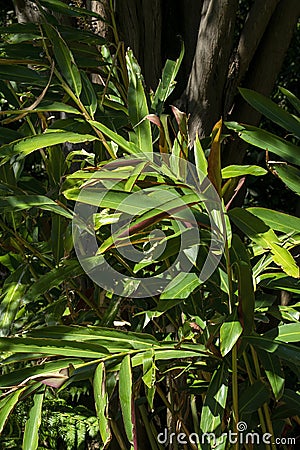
265	237
22	75
125	339
277	220
46	106
73	35
292	98
15	28
126	397
272	367
290	175
57	237
7	135
61	7
181	286
88	95
238	171
31	433
21	202
149	371
200	159
65	60
167	83
215	401
130	147
230	331
279	281
288	352
52	347
137	106
69	270
7	405
13	289
101	403
289	405
27	145
272	111
267	141
252	398
37	372
289	332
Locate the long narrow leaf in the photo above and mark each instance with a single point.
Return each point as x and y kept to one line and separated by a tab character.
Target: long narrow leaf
21	202
7	405
274	372
126	397
31	433
272	111
215	401
264	236
101	403
137	106
29	144
267	141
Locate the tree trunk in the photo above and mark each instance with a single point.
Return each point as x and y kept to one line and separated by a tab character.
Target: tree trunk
100	27
204	93
139	25
26	11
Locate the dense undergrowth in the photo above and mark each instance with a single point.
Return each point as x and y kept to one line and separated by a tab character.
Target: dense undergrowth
112	363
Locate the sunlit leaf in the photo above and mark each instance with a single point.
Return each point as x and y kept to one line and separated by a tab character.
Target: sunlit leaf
181	286
126	397
65	59
277	220
167	83
274	372
21	202
137	106
264	236
7	405
101	403
31	437
230	331
215	401
238	171
27	145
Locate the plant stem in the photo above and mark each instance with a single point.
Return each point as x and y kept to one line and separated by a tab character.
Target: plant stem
265	406
194	414
251	378
118	435
175	415
234	352
145	420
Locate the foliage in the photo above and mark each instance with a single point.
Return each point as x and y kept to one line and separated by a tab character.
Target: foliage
201	355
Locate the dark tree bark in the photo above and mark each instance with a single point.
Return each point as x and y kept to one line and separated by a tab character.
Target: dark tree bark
139	24
204	93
